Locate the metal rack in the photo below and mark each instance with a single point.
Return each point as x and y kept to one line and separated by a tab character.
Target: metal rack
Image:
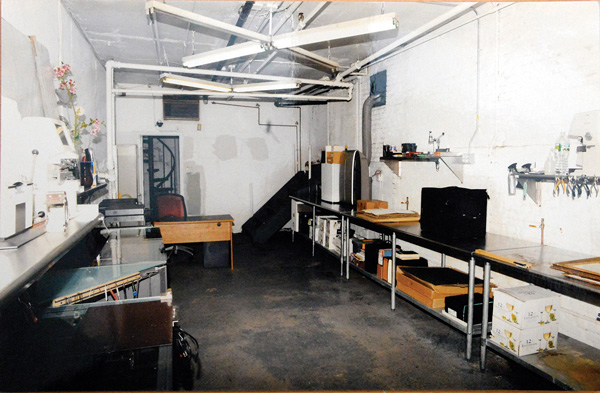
568	185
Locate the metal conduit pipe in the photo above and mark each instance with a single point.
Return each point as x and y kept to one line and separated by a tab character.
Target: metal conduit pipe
297	125
366	189
366	124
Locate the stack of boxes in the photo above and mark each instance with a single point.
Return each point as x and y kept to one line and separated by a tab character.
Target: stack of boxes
328	232
525	319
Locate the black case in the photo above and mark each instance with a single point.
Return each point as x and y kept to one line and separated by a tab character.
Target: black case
454	212
372	254
459	305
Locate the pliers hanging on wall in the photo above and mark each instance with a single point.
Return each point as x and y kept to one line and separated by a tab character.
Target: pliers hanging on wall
558	183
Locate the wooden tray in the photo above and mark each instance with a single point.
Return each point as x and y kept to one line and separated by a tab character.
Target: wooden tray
397	217
586	268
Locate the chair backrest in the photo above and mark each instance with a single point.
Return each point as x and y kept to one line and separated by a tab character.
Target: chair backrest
169	206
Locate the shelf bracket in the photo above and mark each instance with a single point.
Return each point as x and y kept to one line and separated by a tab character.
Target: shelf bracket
456	166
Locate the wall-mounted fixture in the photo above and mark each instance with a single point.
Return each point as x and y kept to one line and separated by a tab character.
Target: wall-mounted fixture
379	87
186	81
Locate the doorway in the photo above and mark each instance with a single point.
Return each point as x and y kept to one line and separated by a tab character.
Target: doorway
161	167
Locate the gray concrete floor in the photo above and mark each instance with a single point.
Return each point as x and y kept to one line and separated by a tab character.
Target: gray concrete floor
283	320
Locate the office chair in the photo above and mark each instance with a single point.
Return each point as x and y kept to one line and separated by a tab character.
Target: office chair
171	207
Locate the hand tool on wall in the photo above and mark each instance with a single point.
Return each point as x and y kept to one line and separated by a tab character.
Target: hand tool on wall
512	178
558	184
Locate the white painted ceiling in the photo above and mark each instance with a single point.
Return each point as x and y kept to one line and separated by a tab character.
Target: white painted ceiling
119	30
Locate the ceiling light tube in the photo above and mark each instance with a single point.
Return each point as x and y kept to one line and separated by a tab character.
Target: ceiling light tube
229	52
179	80
267	86
352	28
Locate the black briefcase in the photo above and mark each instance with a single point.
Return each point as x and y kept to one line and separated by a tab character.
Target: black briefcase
454	212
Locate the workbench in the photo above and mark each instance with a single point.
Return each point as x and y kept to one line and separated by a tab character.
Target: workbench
70	336
540	274
20	267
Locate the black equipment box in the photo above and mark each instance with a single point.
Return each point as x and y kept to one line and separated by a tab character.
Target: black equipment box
372	254
216	254
457	306
454	212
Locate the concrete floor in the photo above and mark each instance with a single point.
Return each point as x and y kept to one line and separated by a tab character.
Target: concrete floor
283	320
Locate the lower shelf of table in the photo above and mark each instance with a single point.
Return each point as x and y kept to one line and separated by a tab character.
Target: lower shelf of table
437	313
573	365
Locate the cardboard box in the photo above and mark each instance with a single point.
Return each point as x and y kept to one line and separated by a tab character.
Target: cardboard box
524	341
526	307
333	154
384	270
364	204
430	295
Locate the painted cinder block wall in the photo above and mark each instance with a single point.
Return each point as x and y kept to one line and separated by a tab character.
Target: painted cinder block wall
232	165
502	88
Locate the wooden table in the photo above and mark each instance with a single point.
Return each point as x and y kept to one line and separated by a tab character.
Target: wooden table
198	229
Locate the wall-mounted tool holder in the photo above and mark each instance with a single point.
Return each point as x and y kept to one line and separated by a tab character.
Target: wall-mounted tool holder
570	186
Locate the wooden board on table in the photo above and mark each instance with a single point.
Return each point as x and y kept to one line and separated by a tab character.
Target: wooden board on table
503	259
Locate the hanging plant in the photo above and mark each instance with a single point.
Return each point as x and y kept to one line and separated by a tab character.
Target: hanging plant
66	93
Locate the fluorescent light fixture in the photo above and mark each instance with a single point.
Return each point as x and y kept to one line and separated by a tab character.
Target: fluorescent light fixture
226	53
369	25
267	86
179	80
353	28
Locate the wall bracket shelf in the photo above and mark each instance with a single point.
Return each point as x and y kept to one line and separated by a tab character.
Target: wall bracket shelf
454	163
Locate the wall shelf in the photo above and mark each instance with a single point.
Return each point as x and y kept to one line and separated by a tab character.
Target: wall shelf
453	162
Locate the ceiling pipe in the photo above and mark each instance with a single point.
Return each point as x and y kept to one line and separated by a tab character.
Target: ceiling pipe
208	93
244	12
111	136
432	25
180	70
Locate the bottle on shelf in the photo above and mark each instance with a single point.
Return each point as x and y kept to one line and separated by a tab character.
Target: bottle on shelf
562	148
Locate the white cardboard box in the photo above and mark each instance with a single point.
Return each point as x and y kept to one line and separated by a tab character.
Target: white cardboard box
524	341
526	307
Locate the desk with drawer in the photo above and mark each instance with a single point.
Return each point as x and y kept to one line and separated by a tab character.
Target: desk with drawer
198	229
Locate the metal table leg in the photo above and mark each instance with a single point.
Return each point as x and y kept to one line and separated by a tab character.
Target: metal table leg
485	314
443	261
347	249
470	307
314	223
342	249
393	270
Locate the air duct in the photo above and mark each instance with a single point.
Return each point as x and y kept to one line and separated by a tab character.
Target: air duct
366	191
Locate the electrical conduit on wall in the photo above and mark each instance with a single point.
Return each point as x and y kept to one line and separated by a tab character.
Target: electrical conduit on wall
366	189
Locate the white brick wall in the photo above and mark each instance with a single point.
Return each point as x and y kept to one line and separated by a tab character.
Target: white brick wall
505	87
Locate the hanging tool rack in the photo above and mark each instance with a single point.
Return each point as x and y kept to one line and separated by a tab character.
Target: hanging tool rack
567	185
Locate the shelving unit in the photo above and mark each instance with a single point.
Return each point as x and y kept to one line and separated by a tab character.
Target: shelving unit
558	366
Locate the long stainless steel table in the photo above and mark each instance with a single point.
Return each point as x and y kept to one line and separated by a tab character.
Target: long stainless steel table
564	365
540	274
22	266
